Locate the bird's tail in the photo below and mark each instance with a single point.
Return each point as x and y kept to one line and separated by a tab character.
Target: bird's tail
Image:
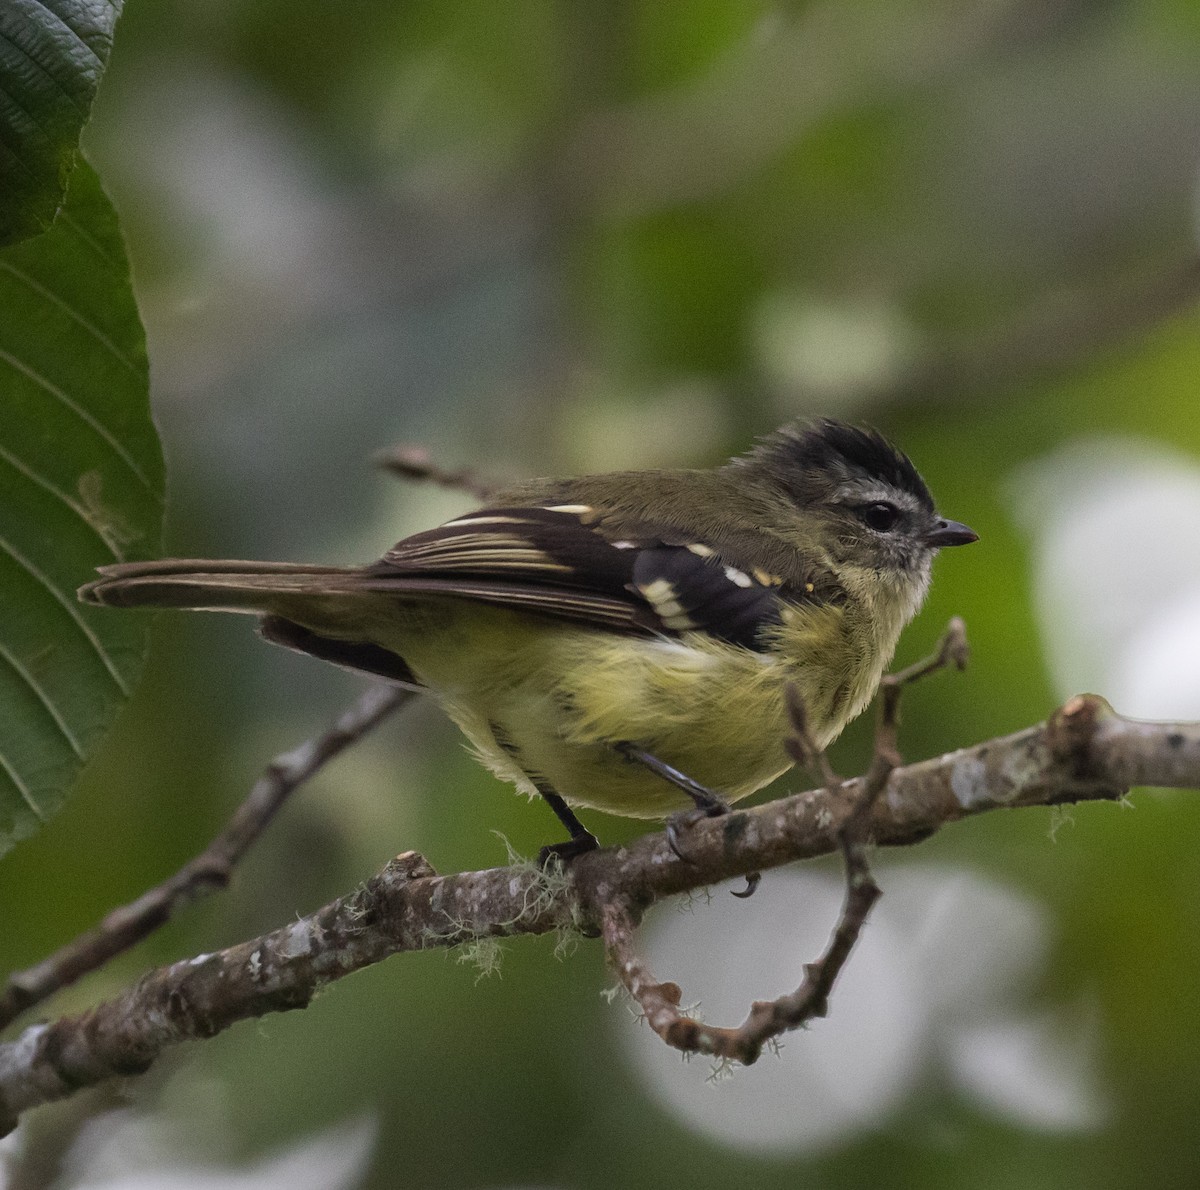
216	585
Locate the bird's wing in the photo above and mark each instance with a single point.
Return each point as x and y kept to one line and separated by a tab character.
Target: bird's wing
567	562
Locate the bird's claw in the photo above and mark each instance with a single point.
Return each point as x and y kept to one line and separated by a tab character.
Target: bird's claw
753	879
711	807
570	849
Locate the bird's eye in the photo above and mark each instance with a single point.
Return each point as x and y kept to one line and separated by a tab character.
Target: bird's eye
880	516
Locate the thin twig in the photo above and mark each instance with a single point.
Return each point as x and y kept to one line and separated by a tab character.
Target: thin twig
207	872
800	745
415	463
212	869
952	650
659	1002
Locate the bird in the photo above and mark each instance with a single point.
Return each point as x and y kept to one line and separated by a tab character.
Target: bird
626	641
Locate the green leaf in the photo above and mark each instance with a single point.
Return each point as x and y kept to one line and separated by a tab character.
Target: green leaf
52	55
80	485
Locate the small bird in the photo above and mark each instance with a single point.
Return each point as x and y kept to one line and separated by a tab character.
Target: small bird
623	641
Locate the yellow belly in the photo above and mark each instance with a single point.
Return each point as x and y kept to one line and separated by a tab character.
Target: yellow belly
548	701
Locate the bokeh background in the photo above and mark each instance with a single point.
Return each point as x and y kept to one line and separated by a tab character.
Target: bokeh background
543	237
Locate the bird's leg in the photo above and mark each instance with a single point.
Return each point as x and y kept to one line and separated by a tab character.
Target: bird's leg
707	804
581	839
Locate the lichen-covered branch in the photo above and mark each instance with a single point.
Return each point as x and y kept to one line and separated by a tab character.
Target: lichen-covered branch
1085	752
207	872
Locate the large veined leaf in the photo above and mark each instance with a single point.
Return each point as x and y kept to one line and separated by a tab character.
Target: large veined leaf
52	54
80	485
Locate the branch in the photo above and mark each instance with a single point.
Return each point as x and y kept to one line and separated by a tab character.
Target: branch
659	1002
415	463
212	869
1085	752
208	872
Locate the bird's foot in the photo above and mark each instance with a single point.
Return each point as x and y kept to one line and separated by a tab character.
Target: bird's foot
686	820
563	853
706	804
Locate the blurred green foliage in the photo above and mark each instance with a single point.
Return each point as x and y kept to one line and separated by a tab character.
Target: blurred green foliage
520	234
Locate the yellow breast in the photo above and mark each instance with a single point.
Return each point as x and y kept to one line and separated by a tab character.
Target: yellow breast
542	701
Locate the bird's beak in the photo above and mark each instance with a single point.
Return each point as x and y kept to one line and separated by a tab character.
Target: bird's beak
946	533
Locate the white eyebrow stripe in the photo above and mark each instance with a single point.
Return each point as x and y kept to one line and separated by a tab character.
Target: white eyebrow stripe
876	493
